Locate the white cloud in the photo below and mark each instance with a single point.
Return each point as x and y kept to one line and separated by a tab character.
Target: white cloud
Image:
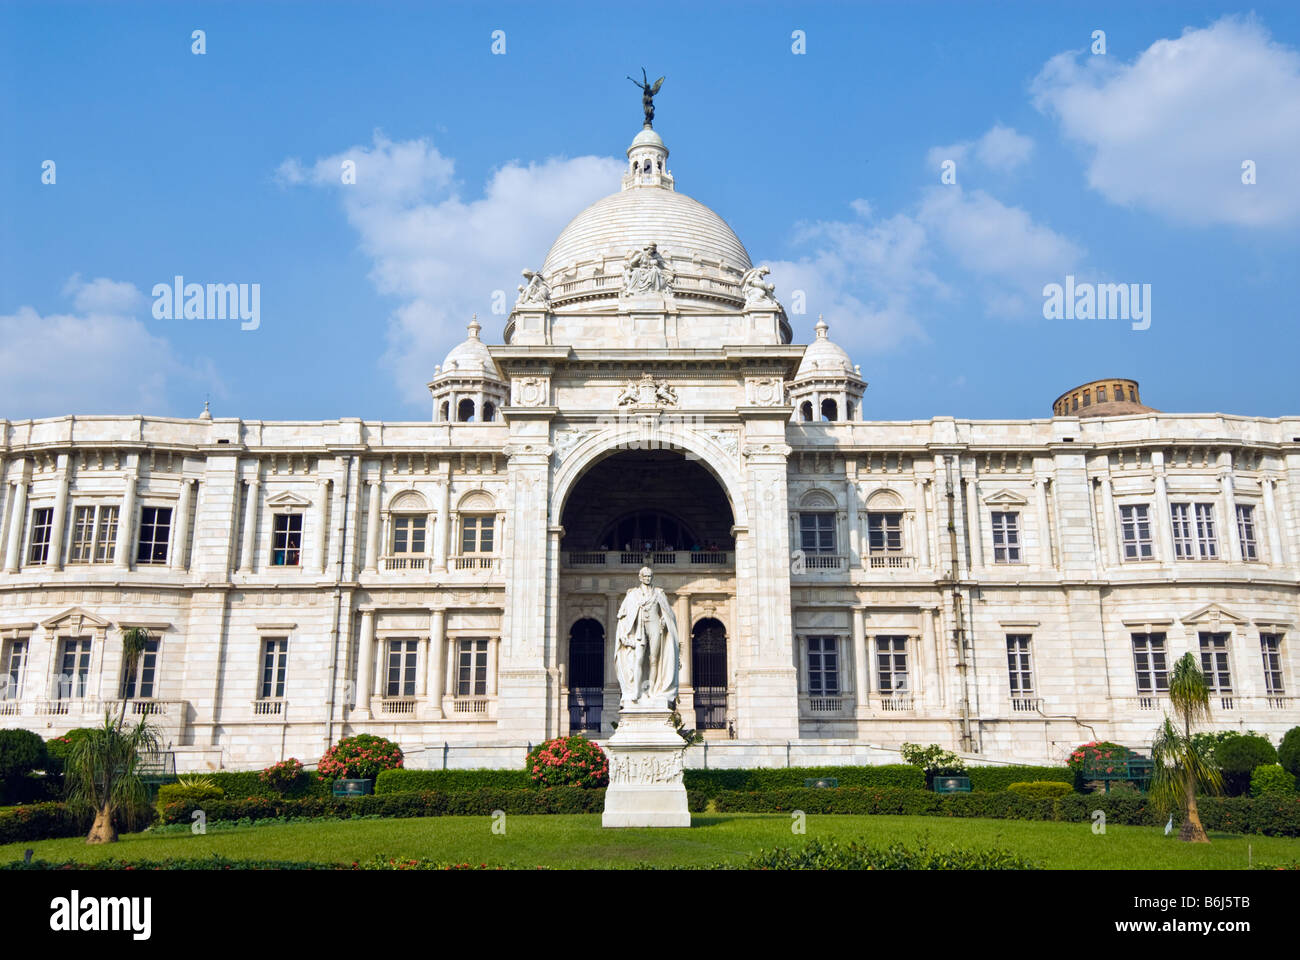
100	359
1169	131
879	281
1001	149
441	255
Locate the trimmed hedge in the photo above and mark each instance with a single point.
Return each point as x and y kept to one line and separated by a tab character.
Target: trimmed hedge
48	821
1272	779
1272	815
1043	789
450	781
426	803
858	855
713	782
173	792
248	783
993	779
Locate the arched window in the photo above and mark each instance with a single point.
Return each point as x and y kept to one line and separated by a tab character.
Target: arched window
489	411
443	412
830	410
465	411
478	528
661	531
409	524
817	523
586	674
805	411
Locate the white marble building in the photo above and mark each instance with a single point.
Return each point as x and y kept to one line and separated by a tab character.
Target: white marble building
1005	588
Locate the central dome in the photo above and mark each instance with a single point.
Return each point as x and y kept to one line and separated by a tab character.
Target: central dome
647	210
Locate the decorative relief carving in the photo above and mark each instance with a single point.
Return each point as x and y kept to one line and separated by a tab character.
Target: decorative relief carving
728	440
566	440
764	391
530	391
646	271
646	768
647	392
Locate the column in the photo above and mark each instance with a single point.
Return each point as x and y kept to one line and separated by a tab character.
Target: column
251	508
851	500
372	526
60	518
443	529
860	678
614	601
494	646
1231	535
1161	521
17	520
451	667
176	559
976	511
437	661
931	660
1044	524
1273	522
366	661
1108	519
683	614
126	518
921	512
322	523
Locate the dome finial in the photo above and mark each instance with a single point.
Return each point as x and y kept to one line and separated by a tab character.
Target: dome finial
648	91
474	326
821	327
207	412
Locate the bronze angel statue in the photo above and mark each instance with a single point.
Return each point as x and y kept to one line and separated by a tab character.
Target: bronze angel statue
648	91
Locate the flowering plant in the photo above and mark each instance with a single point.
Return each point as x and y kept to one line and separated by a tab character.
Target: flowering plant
359	757
282	776
1098	756
568	761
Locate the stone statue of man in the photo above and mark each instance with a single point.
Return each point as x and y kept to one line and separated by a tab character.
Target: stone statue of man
647	654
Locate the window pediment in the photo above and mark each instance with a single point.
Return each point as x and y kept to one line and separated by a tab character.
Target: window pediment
75	620
1005	498
1212	615
287	500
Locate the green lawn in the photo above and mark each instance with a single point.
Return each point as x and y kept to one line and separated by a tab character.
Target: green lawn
579	841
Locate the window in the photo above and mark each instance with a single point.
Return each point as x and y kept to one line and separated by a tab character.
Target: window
1087	398
1270	645
823	666
471	672
891	664
42	521
138	677
476	534
1246	531
11	679
286	540
275	660
817	532
1018	665
1193	526
1214	662
1149	663
1006	537
884	532
94	531
1135	528
155	531
74	668
1101	393
408	534
401	667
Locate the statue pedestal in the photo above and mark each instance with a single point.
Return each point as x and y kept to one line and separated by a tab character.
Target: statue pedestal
645	772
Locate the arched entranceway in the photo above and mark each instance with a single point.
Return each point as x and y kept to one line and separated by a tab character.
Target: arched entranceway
709	673
586	674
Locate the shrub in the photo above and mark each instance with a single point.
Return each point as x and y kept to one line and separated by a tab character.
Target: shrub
1272	779
361	756
1096	757
189	791
1288	754
48	821
282	777
1238	756
451	781
1041	789
249	783
992	779
21	752
713	782
58	748
856	855
568	761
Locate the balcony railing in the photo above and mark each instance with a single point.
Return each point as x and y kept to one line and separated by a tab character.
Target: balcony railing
889	561
470	705
406	563
146	707
475	562
823	561
1025	704
825	704
896	702
656	558
396	706
270	707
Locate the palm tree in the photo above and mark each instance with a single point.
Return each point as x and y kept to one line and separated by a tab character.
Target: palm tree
1180	765
102	770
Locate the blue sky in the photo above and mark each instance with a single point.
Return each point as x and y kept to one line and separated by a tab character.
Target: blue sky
222	167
